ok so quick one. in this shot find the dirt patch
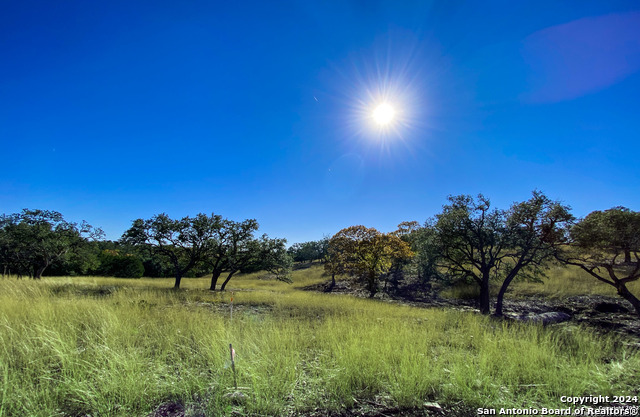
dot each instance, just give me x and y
(75, 290)
(169, 410)
(366, 411)
(362, 409)
(252, 310)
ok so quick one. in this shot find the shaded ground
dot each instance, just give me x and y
(363, 409)
(606, 315)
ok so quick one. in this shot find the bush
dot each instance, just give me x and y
(113, 263)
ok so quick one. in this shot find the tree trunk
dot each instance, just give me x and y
(499, 301)
(224, 284)
(503, 289)
(214, 279)
(37, 273)
(627, 295)
(485, 297)
(177, 283)
(627, 256)
(372, 284)
(332, 285)
(179, 272)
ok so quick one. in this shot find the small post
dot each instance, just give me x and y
(231, 308)
(232, 353)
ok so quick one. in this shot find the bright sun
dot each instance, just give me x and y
(384, 114)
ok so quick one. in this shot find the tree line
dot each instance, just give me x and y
(315, 250)
(472, 241)
(469, 240)
(34, 240)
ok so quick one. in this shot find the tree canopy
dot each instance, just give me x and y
(309, 251)
(606, 244)
(184, 242)
(470, 239)
(535, 229)
(226, 247)
(480, 243)
(271, 255)
(365, 253)
(210, 243)
(30, 241)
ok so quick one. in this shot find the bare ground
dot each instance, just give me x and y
(363, 409)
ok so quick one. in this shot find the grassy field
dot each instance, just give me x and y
(561, 282)
(117, 347)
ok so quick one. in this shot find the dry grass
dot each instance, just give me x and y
(561, 282)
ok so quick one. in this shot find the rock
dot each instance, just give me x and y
(605, 307)
(432, 406)
(236, 397)
(545, 318)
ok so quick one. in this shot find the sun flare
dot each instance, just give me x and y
(384, 114)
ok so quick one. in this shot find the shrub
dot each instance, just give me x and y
(113, 263)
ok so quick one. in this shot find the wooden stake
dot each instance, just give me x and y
(233, 366)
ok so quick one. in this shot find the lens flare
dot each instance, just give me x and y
(384, 114)
(380, 95)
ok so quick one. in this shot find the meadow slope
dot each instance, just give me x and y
(91, 346)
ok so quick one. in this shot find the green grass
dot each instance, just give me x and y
(115, 347)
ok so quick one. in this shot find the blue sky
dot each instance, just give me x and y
(111, 111)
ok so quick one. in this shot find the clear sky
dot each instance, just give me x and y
(115, 110)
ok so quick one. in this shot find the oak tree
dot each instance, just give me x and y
(606, 244)
(470, 240)
(480, 243)
(422, 240)
(32, 240)
(183, 242)
(271, 255)
(535, 230)
(365, 253)
(309, 251)
(240, 248)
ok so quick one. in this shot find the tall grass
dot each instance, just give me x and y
(569, 281)
(560, 282)
(108, 347)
